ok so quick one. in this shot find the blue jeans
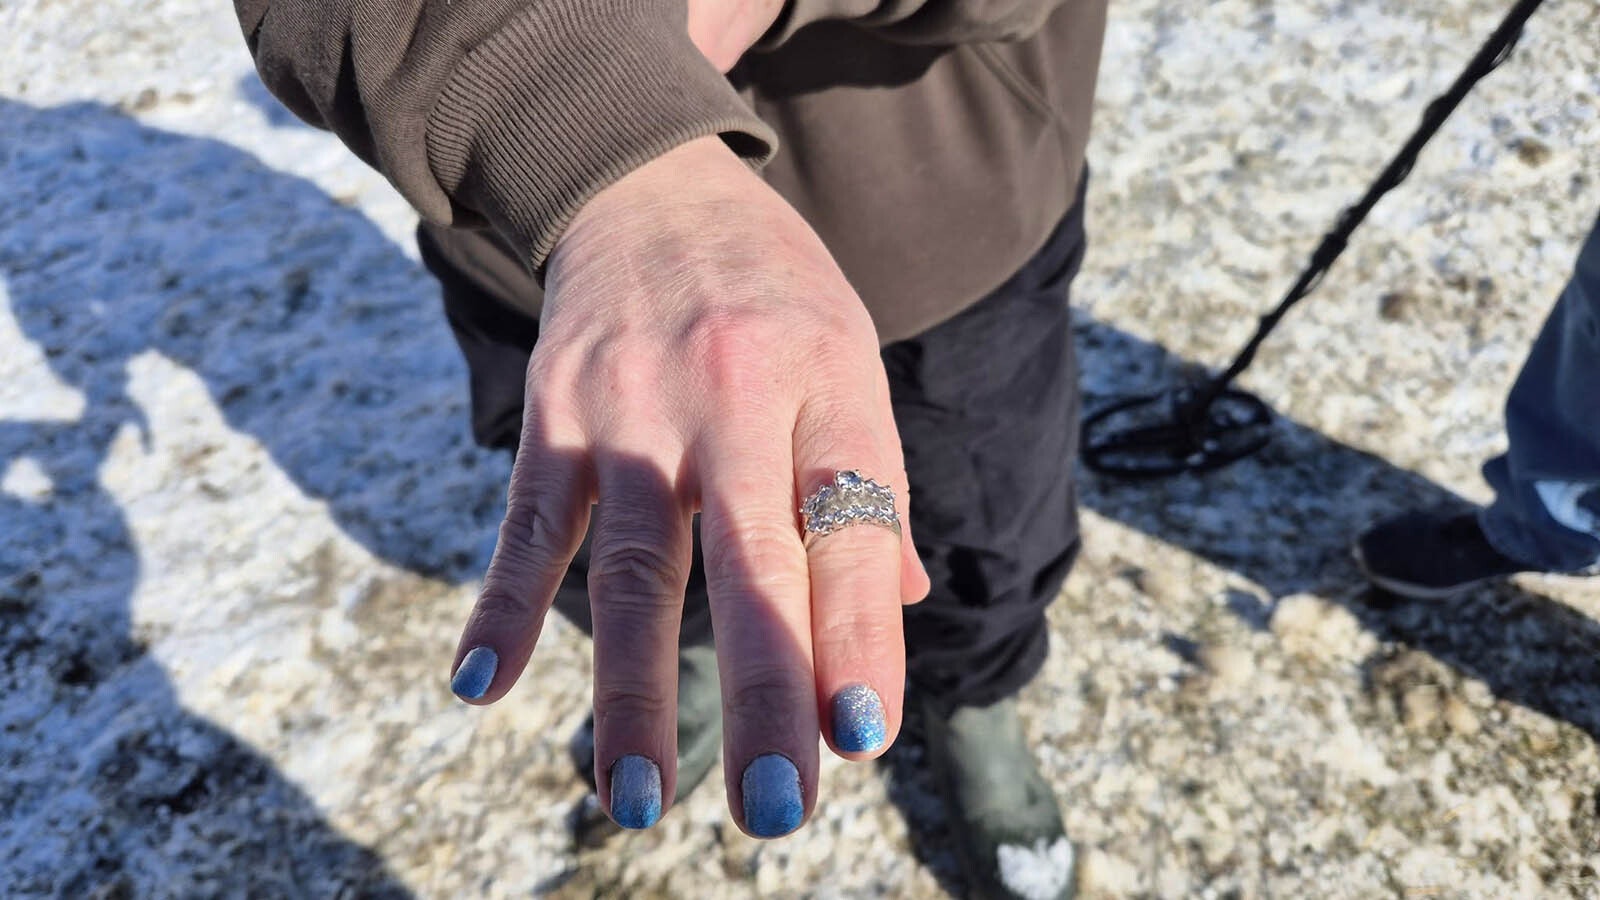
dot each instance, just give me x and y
(1546, 511)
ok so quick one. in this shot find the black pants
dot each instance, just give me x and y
(987, 407)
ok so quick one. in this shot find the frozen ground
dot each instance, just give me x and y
(240, 518)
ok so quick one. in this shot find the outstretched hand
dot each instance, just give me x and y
(700, 351)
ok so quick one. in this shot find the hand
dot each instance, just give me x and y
(725, 29)
(700, 351)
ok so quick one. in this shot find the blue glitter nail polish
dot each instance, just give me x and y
(858, 722)
(635, 792)
(773, 805)
(475, 673)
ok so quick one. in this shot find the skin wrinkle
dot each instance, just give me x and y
(500, 604)
(848, 637)
(774, 563)
(528, 531)
(640, 581)
(631, 701)
(765, 701)
(500, 598)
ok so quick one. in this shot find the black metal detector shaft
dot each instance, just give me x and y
(1212, 423)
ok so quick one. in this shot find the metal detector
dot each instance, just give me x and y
(1207, 425)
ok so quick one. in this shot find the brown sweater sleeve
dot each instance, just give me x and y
(500, 111)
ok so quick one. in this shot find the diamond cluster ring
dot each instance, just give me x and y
(850, 499)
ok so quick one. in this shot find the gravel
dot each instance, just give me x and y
(241, 517)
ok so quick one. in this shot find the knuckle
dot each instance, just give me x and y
(554, 369)
(834, 411)
(545, 369)
(741, 555)
(550, 435)
(843, 412)
(859, 636)
(636, 574)
(531, 541)
(500, 602)
(843, 447)
(734, 349)
(769, 696)
(630, 698)
(621, 374)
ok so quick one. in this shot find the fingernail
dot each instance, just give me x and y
(772, 803)
(476, 671)
(635, 792)
(858, 721)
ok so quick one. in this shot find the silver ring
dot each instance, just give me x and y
(850, 499)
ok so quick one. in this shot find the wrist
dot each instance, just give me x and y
(677, 190)
(725, 30)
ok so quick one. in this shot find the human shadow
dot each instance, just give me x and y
(1285, 519)
(316, 336)
(253, 92)
(310, 329)
(111, 788)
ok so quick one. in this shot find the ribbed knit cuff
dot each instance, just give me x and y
(567, 98)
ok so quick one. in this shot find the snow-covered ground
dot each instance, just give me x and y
(240, 516)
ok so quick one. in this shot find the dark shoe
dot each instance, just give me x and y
(1431, 555)
(699, 741)
(1008, 828)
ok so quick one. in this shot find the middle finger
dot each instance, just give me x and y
(638, 568)
(760, 607)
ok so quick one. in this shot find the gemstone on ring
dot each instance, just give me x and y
(850, 499)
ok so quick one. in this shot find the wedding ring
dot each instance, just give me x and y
(850, 499)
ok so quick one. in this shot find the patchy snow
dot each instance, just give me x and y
(241, 518)
(1039, 872)
(27, 480)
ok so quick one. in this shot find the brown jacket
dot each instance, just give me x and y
(931, 143)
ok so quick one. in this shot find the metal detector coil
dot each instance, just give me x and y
(1156, 435)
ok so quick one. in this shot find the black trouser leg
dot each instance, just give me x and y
(987, 407)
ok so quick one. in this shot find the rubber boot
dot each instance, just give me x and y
(1008, 829)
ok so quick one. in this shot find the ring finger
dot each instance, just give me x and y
(858, 643)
